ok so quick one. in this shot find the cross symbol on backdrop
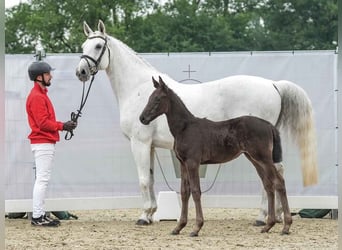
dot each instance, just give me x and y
(189, 71)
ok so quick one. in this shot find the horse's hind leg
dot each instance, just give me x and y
(278, 205)
(277, 157)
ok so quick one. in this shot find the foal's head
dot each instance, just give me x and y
(158, 103)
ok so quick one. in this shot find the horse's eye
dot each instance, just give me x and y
(98, 46)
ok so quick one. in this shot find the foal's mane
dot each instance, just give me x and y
(177, 101)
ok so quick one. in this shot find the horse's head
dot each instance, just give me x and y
(158, 102)
(96, 53)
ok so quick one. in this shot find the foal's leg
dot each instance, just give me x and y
(279, 184)
(185, 195)
(260, 220)
(195, 187)
(271, 209)
(265, 170)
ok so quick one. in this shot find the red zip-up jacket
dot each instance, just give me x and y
(41, 117)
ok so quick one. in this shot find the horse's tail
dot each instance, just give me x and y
(296, 120)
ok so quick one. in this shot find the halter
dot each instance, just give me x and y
(93, 70)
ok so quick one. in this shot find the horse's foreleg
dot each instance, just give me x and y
(142, 154)
(151, 187)
(185, 195)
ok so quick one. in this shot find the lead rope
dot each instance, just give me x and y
(75, 116)
(168, 185)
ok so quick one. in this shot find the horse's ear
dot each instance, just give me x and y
(101, 27)
(162, 84)
(155, 83)
(86, 29)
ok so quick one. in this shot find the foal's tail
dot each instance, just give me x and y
(277, 152)
(296, 120)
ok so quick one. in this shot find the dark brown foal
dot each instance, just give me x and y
(201, 141)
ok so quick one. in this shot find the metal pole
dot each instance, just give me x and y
(2, 125)
(339, 119)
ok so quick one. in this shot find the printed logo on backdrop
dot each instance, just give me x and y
(189, 79)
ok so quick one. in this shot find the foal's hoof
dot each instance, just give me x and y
(259, 223)
(193, 234)
(141, 222)
(174, 232)
(285, 232)
(265, 230)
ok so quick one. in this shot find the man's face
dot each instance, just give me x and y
(47, 78)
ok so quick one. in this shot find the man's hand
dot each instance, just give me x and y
(69, 125)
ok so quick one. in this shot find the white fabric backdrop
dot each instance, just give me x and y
(98, 162)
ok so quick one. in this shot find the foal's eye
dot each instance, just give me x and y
(98, 46)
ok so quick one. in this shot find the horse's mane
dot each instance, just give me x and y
(130, 51)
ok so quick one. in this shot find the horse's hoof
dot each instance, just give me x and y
(279, 220)
(141, 222)
(193, 234)
(259, 223)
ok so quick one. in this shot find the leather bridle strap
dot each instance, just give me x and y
(75, 116)
(93, 69)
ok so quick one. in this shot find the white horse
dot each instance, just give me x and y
(282, 103)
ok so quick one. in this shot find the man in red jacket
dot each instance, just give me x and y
(43, 137)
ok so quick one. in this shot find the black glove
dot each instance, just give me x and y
(69, 125)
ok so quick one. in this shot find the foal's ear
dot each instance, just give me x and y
(86, 29)
(101, 27)
(162, 84)
(155, 83)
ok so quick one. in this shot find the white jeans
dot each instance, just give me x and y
(44, 154)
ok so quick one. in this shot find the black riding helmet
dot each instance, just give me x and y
(38, 68)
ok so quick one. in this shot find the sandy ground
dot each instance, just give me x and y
(223, 229)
